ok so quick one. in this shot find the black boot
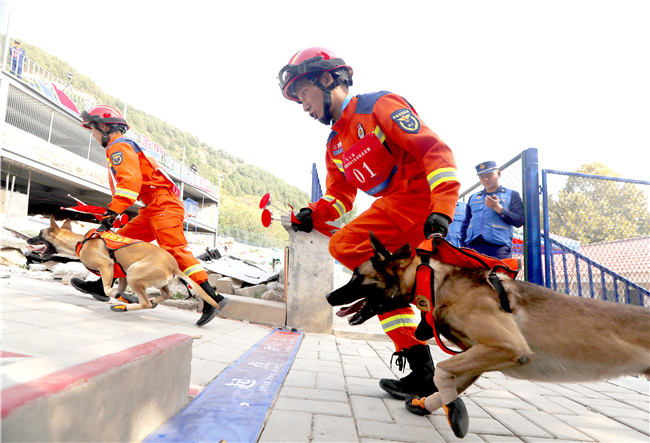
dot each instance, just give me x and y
(419, 383)
(94, 288)
(209, 311)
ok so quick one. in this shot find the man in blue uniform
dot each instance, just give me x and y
(453, 236)
(491, 215)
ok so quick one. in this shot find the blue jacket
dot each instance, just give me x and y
(495, 228)
(454, 228)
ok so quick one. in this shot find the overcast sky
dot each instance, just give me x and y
(491, 78)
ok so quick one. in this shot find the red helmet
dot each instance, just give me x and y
(307, 61)
(102, 114)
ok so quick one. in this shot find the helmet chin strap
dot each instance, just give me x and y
(104, 138)
(326, 119)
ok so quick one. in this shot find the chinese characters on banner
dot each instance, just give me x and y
(149, 144)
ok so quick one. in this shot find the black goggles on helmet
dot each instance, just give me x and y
(314, 64)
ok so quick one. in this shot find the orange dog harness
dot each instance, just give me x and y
(440, 249)
(112, 242)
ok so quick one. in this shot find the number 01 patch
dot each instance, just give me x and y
(406, 120)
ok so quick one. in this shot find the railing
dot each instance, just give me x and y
(642, 296)
(38, 78)
(608, 218)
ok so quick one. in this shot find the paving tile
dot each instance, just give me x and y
(449, 437)
(401, 415)
(500, 439)
(362, 361)
(313, 406)
(328, 428)
(607, 402)
(216, 353)
(329, 356)
(317, 366)
(642, 405)
(275, 429)
(326, 380)
(314, 394)
(310, 355)
(400, 433)
(42, 342)
(524, 388)
(518, 424)
(562, 390)
(204, 371)
(590, 421)
(355, 371)
(10, 327)
(544, 404)
(549, 440)
(368, 391)
(476, 425)
(509, 403)
(44, 319)
(494, 393)
(302, 379)
(572, 406)
(586, 391)
(641, 425)
(557, 428)
(370, 408)
(620, 412)
(475, 410)
(379, 372)
(614, 436)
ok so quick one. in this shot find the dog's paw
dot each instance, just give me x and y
(127, 298)
(457, 417)
(118, 308)
(416, 406)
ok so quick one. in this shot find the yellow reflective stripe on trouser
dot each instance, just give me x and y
(122, 192)
(380, 134)
(399, 321)
(440, 176)
(193, 269)
(337, 205)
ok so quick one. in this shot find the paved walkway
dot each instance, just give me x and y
(331, 390)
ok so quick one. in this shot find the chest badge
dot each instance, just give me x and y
(360, 131)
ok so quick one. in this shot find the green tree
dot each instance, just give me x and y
(594, 210)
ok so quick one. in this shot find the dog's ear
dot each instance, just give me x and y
(54, 228)
(381, 253)
(67, 224)
(403, 252)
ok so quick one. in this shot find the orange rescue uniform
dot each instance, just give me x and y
(135, 176)
(380, 145)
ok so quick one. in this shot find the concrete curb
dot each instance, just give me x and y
(120, 392)
(253, 310)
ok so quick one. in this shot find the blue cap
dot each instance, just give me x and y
(486, 167)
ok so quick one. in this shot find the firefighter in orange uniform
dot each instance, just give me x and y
(134, 176)
(379, 145)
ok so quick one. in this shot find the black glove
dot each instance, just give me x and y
(424, 330)
(107, 220)
(436, 224)
(306, 223)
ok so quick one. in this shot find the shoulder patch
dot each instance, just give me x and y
(116, 158)
(406, 120)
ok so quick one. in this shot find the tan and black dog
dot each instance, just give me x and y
(145, 265)
(548, 336)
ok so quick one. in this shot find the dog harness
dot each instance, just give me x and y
(440, 249)
(112, 242)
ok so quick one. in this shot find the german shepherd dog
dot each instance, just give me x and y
(548, 336)
(145, 265)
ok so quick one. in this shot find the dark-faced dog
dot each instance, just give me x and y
(146, 265)
(548, 336)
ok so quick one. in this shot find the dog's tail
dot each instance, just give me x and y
(199, 290)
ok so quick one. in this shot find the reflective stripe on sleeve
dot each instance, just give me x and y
(380, 134)
(440, 176)
(399, 321)
(340, 208)
(122, 192)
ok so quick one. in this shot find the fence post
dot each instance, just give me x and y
(532, 228)
(548, 247)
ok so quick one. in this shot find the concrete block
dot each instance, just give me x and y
(212, 279)
(70, 270)
(251, 291)
(12, 257)
(225, 286)
(263, 312)
(310, 277)
(119, 391)
(273, 295)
